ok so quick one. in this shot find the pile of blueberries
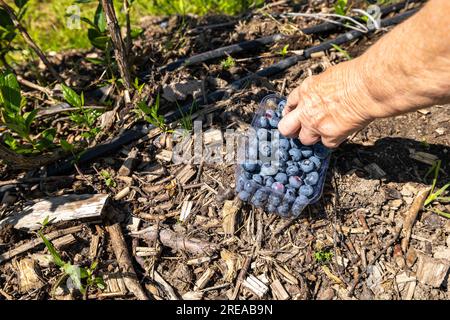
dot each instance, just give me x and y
(278, 173)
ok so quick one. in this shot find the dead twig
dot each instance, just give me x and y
(124, 260)
(411, 216)
(176, 241)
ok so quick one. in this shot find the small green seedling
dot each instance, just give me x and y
(151, 114)
(227, 63)
(109, 181)
(138, 86)
(343, 51)
(77, 274)
(186, 119)
(18, 122)
(437, 195)
(322, 256)
(340, 7)
(83, 117)
(283, 52)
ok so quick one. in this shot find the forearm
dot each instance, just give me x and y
(409, 68)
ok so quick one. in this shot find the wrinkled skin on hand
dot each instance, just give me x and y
(327, 107)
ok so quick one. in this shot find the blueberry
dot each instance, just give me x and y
(250, 166)
(269, 114)
(271, 208)
(268, 181)
(295, 143)
(274, 122)
(295, 181)
(292, 170)
(268, 169)
(306, 165)
(306, 152)
(258, 179)
(283, 209)
(320, 151)
(281, 165)
(290, 195)
(282, 155)
(306, 190)
(281, 178)
(277, 186)
(281, 105)
(263, 134)
(244, 195)
(296, 154)
(260, 196)
(299, 204)
(311, 178)
(265, 148)
(240, 183)
(274, 200)
(263, 122)
(291, 163)
(316, 161)
(247, 175)
(250, 187)
(284, 144)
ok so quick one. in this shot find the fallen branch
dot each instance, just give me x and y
(176, 241)
(36, 242)
(411, 216)
(124, 260)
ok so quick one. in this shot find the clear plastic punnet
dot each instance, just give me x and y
(276, 173)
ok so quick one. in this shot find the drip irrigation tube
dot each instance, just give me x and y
(251, 44)
(140, 130)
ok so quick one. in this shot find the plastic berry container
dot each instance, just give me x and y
(276, 173)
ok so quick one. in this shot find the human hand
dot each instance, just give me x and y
(328, 107)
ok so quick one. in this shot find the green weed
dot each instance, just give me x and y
(83, 117)
(19, 122)
(151, 114)
(322, 256)
(438, 195)
(77, 274)
(227, 63)
(108, 179)
(340, 7)
(343, 51)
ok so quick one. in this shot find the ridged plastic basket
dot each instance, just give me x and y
(266, 197)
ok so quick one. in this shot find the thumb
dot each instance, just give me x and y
(290, 124)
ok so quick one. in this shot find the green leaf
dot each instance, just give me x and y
(29, 118)
(100, 19)
(10, 92)
(71, 96)
(9, 140)
(20, 3)
(74, 273)
(144, 107)
(68, 147)
(49, 134)
(136, 32)
(97, 39)
(89, 22)
(56, 257)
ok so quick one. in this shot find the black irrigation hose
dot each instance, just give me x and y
(140, 130)
(251, 44)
